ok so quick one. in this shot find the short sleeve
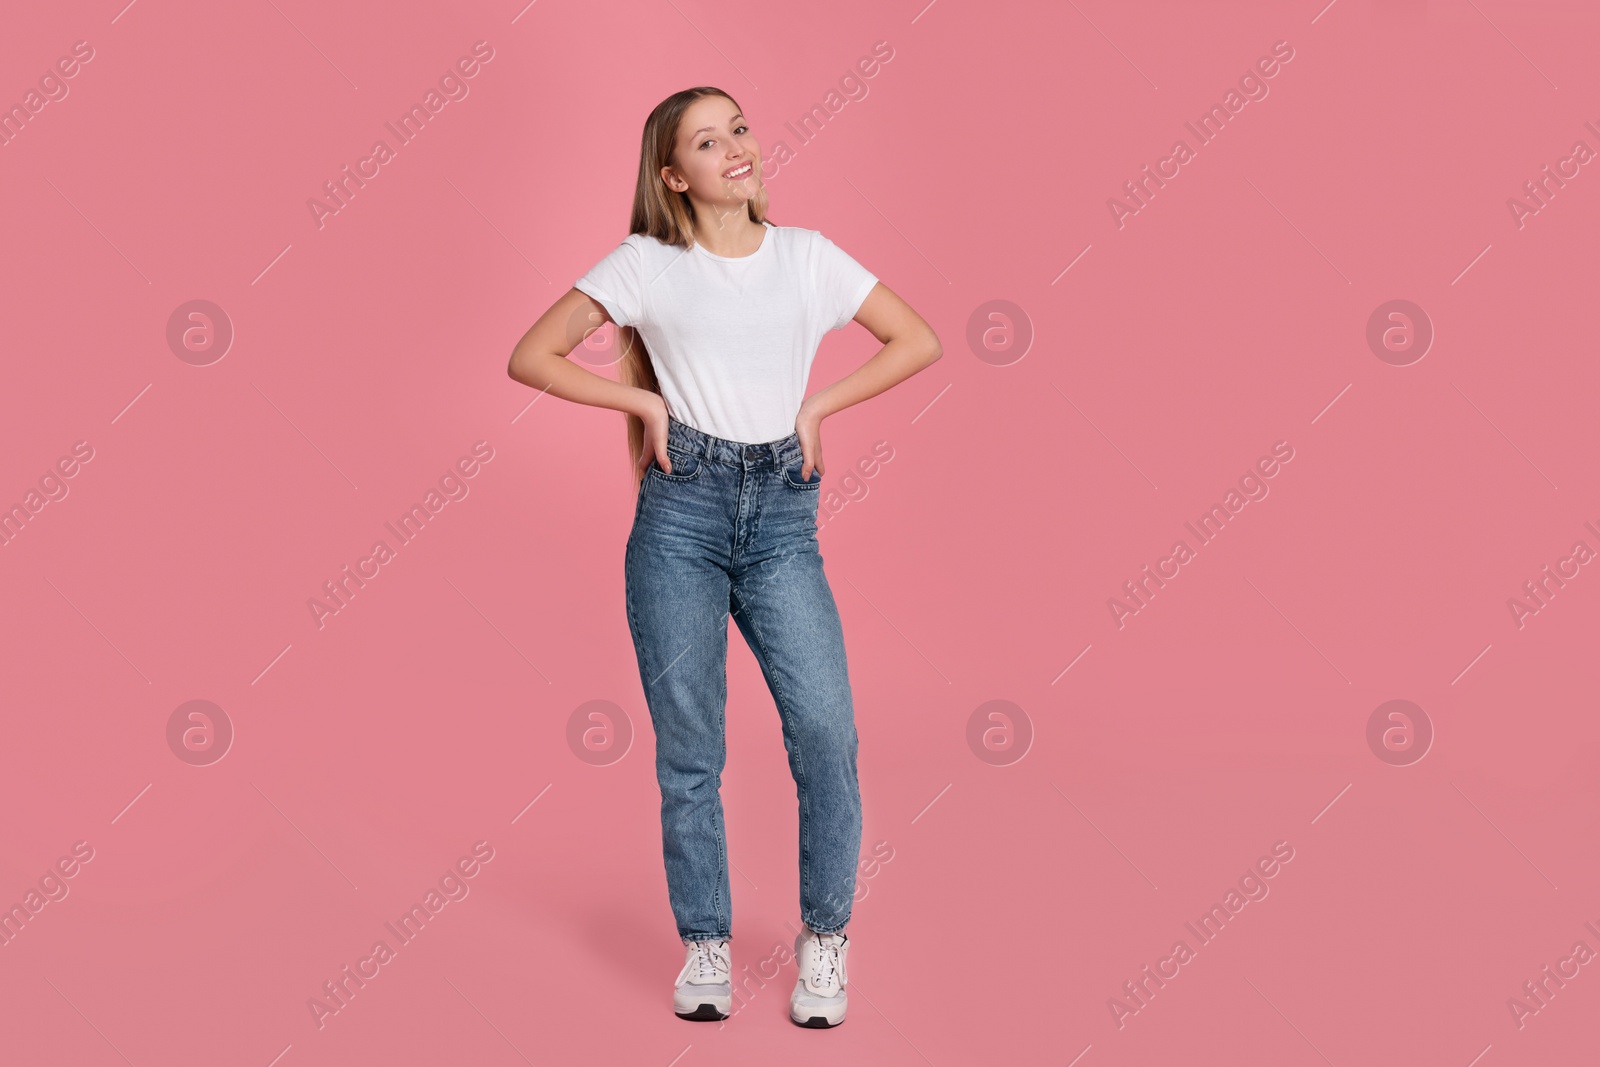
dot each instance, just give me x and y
(616, 283)
(842, 284)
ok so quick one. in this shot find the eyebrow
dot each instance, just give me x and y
(705, 129)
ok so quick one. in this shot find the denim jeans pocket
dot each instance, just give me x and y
(685, 467)
(791, 478)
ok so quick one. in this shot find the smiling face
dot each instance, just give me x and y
(715, 158)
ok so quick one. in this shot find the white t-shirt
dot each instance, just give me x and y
(732, 339)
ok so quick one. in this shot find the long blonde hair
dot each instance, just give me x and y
(668, 216)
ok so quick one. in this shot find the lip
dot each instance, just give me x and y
(733, 176)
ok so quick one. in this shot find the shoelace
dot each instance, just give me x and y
(706, 963)
(825, 961)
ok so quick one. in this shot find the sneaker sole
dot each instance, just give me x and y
(704, 1013)
(701, 1005)
(817, 1017)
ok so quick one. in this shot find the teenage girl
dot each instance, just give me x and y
(719, 314)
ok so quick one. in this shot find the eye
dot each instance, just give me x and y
(741, 128)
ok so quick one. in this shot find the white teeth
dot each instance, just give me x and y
(738, 173)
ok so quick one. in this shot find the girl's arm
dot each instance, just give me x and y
(540, 360)
(909, 345)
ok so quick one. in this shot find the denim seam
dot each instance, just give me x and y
(633, 625)
(755, 519)
(722, 860)
(735, 548)
(723, 922)
(638, 507)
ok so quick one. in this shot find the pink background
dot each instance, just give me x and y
(1017, 887)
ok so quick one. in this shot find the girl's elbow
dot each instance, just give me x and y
(514, 368)
(521, 368)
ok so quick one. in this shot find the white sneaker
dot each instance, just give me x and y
(818, 999)
(704, 990)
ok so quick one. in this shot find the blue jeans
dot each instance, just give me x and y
(733, 529)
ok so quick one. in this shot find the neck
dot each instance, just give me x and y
(731, 234)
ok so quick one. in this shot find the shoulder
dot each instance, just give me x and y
(637, 243)
(820, 254)
(633, 252)
(641, 242)
(648, 249)
(795, 235)
(801, 243)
